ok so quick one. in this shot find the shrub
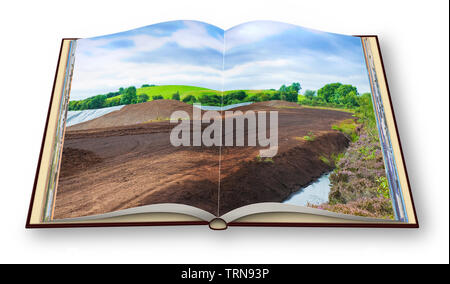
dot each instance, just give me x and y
(253, 99)
(358, 184)
(189, 99)
(142, 98)
(157, 97)
(211, 100)
(325, 160)
(383, 187)
(310, 137)
(309, 94)
(176, 96)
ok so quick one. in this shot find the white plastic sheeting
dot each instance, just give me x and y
(79, 116)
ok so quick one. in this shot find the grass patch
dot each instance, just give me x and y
(383, 187)
(286, 107)
(259, 159)
(367, 152)
(166, 91)
(310, 137)
(348, 127)
(337, 157)
(325, 160)
(329, 108)
(157, 119)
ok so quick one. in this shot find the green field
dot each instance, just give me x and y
(166, 91)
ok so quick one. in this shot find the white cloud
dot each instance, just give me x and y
(100, 70)
(252, 32)
(196, 36)
(123, 74)
(255, 66)
(312, 70)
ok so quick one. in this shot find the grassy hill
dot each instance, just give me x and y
(168, 90)
(204, 95)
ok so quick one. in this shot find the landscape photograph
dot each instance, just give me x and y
(118, 154)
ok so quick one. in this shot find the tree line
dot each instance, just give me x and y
(286, 93)
(129, 95)
(334, 95)
(124, 96)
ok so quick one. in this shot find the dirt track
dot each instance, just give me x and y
(112, 168)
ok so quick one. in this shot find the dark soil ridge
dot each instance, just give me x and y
(77, 160)
(266, 181)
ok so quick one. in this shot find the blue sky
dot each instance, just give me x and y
(171, 53)
(258, 55)
(264, 55)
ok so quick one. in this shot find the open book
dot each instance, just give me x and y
(182, 122)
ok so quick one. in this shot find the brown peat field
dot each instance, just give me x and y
(125, 159)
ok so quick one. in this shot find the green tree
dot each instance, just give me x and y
(264, 97)
(176, 96)
(157, 97)
(255, 98)
(291, 96)
(340, 94)
(211, 100)
(84, 105)
(74, 105)
(343, 90)
(275, 96)
(112, 94)
(129, 96)
(351, 99)
(309, 94)
(114, 101)
(97, 102)
(189, 99)
(296, 87)
(326, 93)
(142, 98)
(234, 97)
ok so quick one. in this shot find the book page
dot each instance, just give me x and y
(308, 136)
(184, 117)
(132, 131)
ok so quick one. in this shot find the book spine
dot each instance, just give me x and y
(59, 137)
(396, 194)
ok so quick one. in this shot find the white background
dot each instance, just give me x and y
(414, 41)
